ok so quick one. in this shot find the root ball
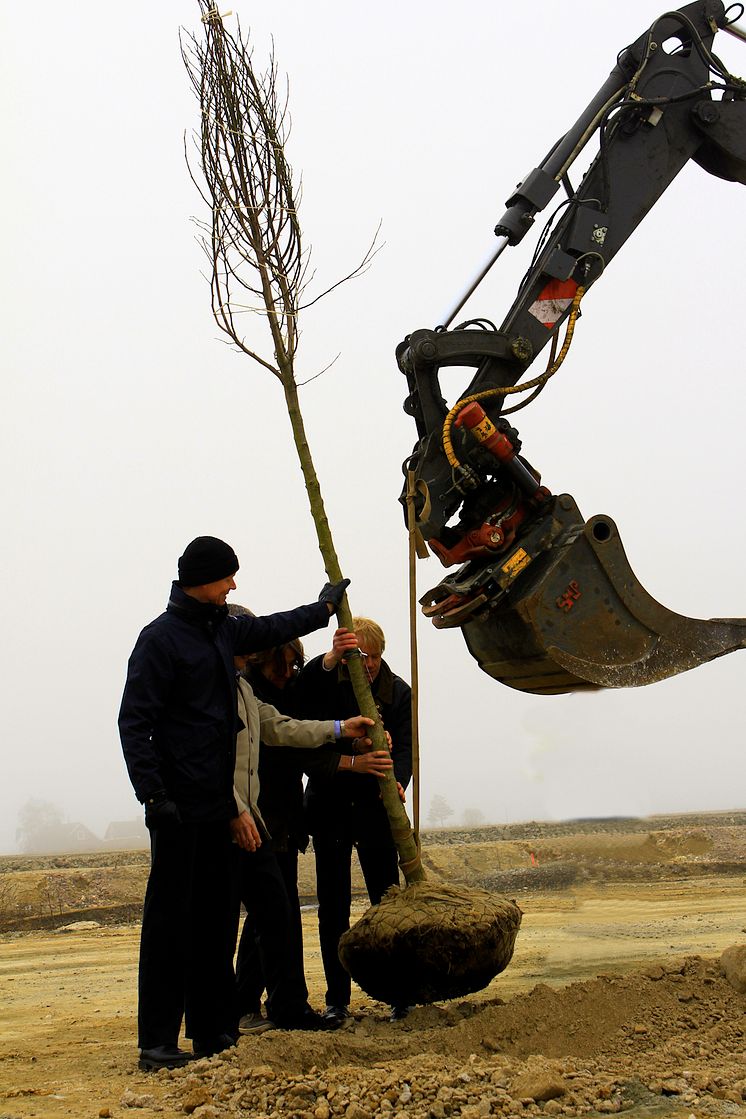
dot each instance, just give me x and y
(430, 941)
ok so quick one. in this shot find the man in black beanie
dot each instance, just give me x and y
(178, 726)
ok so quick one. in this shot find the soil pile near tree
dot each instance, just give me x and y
(672, 1035)
(614, 998)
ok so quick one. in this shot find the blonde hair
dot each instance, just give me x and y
(370, 632)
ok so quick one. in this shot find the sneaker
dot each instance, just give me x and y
(254, 1023)
(306, 1020)
(209, 1046)
(399, 1012)
(163, 1056)
(334, 1016)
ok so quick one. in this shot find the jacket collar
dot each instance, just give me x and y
(203, 614)
(383, 685)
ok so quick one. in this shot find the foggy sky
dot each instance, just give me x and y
(129, 427)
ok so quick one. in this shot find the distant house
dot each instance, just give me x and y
(62, 839)
(126, 835)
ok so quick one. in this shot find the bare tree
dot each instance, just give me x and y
(473, 817)
(56, 893)
(440, 810)
(35, 818)
(258, 267)
(9, 906)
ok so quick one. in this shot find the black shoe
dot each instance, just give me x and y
(209, 1046)
(334, 1016)
(306, 1020)
(163, 1056)
(254, 1023)
(399, 1012)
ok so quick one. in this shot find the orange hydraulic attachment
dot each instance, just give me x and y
(498, 531)
(489, 538)
(474, 418)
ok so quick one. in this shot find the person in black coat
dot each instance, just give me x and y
(178, 725)
(270, 950)
(342, 813)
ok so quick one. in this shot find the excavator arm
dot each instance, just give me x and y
(547, 601)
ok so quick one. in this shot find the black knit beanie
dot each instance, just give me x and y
(206, 560)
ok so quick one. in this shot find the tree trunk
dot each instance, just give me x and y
(401, 829)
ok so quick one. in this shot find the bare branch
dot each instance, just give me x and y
(258, 264)
(319, 374)
(372, 251)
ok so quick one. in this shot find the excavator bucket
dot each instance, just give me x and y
(564, 612)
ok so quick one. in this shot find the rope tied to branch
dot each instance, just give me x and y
(214, 16)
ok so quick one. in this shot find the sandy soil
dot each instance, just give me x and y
(614, 1001)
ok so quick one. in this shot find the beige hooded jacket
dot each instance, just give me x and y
(263, 723)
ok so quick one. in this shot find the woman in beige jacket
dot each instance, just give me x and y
(259, 883)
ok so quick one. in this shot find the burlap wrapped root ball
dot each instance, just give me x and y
(429, 942)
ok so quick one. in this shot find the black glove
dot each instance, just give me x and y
(333, 593)
(160, 810)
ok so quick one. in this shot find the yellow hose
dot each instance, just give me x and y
(508, 390)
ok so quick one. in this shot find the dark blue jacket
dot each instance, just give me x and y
(178, 719)
(346, 803)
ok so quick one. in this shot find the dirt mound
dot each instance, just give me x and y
(595, 1045)
(648, 1035)
(553, 876)
(37, 890)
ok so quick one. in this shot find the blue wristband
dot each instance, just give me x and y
(337, 729)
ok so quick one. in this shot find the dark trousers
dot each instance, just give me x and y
(378, 863)
(186, 946)
(249, 963)
(264, 950)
